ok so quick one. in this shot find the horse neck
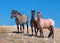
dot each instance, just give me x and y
(17, 16)
(39, 19)
(32, 17)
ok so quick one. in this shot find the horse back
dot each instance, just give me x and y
(46, 22)
(24, 18)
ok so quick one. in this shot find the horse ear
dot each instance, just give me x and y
(33, 11)
(38, 12)
(13, 11)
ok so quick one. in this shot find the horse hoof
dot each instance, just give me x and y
(17, 32)
(52, 36)
(35, 35)
(23, 31)
(32, 34)
(42, 36)
(27, 32)
(48, 36)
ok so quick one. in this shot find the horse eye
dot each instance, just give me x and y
(14, 12)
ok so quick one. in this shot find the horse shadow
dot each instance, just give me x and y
(17, 32)
(30, 35)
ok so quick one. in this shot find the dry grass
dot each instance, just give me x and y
(7, 36)
(3, 30)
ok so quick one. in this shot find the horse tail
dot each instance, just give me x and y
(52, 22)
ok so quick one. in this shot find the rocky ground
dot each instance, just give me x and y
(8, 34)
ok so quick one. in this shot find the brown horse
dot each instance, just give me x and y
(45, 23)
(33, 23)
(21, 19)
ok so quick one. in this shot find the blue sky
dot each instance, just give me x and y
(48, 9)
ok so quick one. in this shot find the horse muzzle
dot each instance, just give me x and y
(11, 17)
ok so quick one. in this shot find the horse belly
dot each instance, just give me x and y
(46, 25)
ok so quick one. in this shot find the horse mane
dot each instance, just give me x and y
(19, 13)
(15, 11)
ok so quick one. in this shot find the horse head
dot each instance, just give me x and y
(39, 15)
(14, 13)
(33, 13)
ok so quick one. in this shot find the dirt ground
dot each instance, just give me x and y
(8, 34)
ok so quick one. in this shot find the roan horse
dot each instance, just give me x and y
(45, 23)
(33, 23)
(21, 19)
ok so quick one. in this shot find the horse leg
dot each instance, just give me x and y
(32, 30)
(23, 28)
(18, 28)
(51, 32)
(41, 32)
(27, 28)
(35, 32)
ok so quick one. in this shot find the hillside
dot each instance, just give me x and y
(8, 34)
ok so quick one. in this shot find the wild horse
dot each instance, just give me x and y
(45, 23)
(21, 19)
(33, 23)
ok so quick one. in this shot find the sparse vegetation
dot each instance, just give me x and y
(7, 36)
(3, 30)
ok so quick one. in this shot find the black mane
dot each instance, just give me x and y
(15, 11)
